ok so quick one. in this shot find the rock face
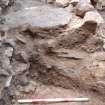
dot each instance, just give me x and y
(53, 45)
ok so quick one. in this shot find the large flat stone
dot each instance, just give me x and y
(39, 17)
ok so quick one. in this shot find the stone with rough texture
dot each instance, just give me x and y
(100, 4)
(50, 1)
(74, 2)
(93, 16)
(85, 1)
(82, 8)
(62, 3)
(39, 17)
(4, 3)
(9, 51)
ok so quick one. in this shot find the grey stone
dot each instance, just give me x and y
(100, 4)
(8, 52)
(62, 3)
(22, 56)
(82, 8)
(50, 1)
(39, 17)
(73, 54)
(3, 72)
(74, 2)
(19, 68)
(93, 17)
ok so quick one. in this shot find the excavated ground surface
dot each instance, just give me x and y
(61, 56)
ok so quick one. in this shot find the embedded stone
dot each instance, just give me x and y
(39, 17)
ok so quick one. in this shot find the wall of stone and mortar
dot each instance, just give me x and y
(64, 48)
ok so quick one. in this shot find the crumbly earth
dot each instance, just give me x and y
(52, 49)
